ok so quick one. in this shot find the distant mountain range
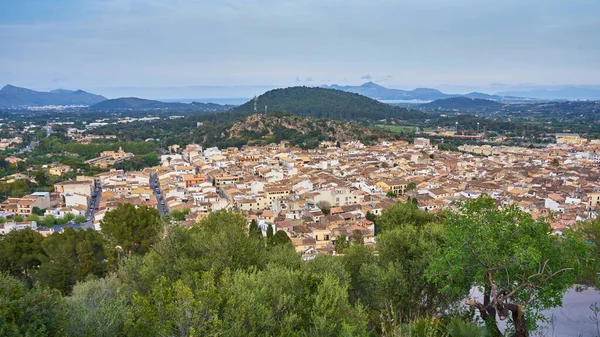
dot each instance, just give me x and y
(568, 93)
(129, 103)
(326, 103)
(379, 92)
(376, 91)
(15, 97)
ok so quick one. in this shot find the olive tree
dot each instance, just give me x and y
(516, 262)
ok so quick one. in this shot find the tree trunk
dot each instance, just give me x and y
(490, 321)
(518, 317)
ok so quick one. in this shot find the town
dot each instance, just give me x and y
(318, 196)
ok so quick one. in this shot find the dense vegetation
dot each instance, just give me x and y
(223, 277)
(327, 103)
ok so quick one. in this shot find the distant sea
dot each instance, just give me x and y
(232, 101)
(403, 101)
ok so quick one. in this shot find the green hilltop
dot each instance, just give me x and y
(326, 103)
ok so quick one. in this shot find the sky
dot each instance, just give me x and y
(237, 47)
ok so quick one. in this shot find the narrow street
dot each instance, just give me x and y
(154, 185)
(92, 208)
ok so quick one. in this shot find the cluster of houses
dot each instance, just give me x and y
(318, 196)
(69, 197)
(109, 158)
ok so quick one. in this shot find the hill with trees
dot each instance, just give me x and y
(304, 132)
(465, 103)
(326, 103)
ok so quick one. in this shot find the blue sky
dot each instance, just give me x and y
(452, 44)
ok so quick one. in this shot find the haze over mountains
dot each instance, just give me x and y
(11, 97)
(16, 97)
(379, 92)
(125, 103)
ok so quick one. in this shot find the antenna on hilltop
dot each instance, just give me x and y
(265, 110)
(255, 103)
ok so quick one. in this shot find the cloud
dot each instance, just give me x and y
(105, 43)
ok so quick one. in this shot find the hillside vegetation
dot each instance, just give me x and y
(299, 131)
(327, 103)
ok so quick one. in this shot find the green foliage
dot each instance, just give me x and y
(393, 284)
(510, 256)
(97, 307)
(279, 301)
(79, 219)
(16, 189)
(270, 235)
(70, 257)
(29, 312)
(281, 239)
(341, 244)
(20, 252)
(403, 214)
(180, 215)
(254, 231)
(175, 309)
(329, 104)
(590, 233)
(133, 229)
(38, 211)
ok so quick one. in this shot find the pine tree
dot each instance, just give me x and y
(270, 235)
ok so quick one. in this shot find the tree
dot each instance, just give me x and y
(254, 231)
(520, 267)
(79, 219)
(180, 215)
(392, 284)
(391, 194)
(341, 244)
(324, 206)
(41, 177)
(18, 218)
(176, 309)
(38, 211)
(403, 214)
(71, 256)
(28, 311)
(20, 252)
(33, 217)
(357, 237)
(590, 233)
(555, 162)
(411, 186)
(133, 229)
(281, 239)
(270, 235)
(279, 301)
(48, 221)
(97, 307)
(68, 217)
